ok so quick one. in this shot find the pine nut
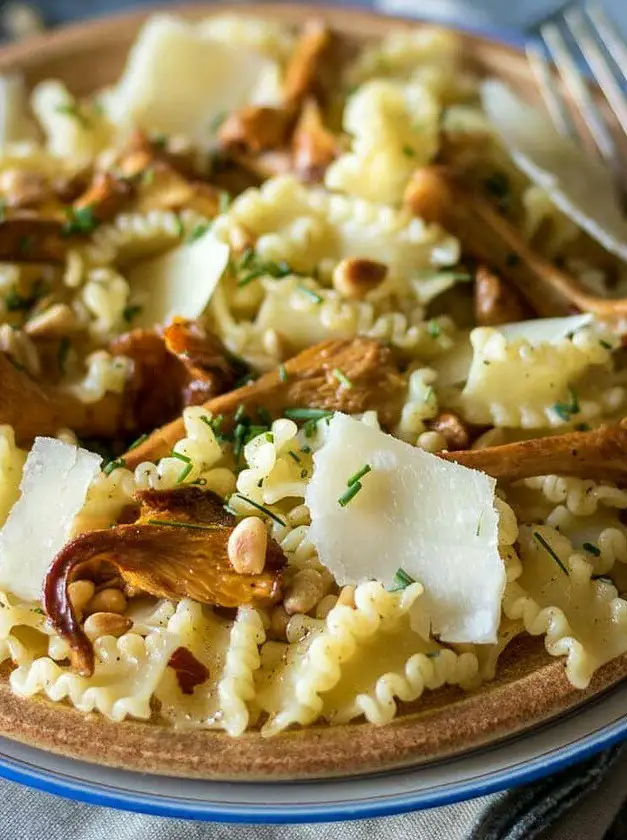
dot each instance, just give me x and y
(80, 592)
(106, 624)
(278, 624)
(247, 546)
(303, 592)
(54, 321)
(347, 596)
(325, 606)
(109, 600)
(355, 277)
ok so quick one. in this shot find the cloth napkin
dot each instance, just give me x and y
(584, 802)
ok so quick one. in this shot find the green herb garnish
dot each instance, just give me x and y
(224, 202)
(180, 227)
(434, 329)
(349, 494)
(550, 551)
(262, 509)
(116, 464)
(138, 442)
(566, 410)
(199, 231)
(283, 375)
(310, 292)
(72, 111)
(3, 209)
(80, 221)
(130, 311)
(342, 378)
(216, 122)
(148, 177)
(409, 151)
(294, 456)
(25, 245)
(591, 548)
(606, 345)
(358, 475)
(307, 413)
(401, 581)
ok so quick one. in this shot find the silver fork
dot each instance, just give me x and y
(582, 35)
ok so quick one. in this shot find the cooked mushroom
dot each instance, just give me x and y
(104, 198)
(314, 147)
(176, 549)
(496, 302)
(600, 454)
(309, 380)
(437, 195)
(34, 410)
(310, 70)
(182, 365)
(29, 238)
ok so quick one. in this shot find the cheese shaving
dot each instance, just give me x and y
(435, 521)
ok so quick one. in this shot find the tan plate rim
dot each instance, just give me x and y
(531, 687)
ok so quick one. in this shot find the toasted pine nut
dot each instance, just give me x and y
(109, 600)
(278, 624)
(54, 321)
(106, 624)
(346, 596)
(303, 592)
(80, 592)
(355, 277)
(325, 606)
(247, 546)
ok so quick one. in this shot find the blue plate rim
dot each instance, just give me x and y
(93, 793)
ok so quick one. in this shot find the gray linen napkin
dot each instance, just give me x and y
(585, 802)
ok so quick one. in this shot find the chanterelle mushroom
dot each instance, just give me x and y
(176, 549)
(436, 194)
(600, 454)
(308, 380)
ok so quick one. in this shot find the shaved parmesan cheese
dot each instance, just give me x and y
(54, 485)
(218, 78)
(578, 184)
(14, 123)
(453, 367)
(433, 519)
(180, 282)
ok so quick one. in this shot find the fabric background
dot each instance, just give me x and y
(585, 802)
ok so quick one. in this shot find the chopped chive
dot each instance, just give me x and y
(3, 209)
(305, 449)
(239, 413)
(224, 202)
(401, 581)
(159, 141)
(307, 413)
(185, 472)
(198, 232)
(409, 151)
(25, 245)
(37, 610)
(130, 311)
(359, 474)
(606, 345)
(180, 227)
(180, 457)
(148, 177)
(478, 531)
(432, 654)
(550, 551)
(64, 349)
(349, 494)
(312, 294)
(207, 421)
(294, 456)
(591, 548)
(171, 523)
(566, 410)
(138, 442)
(261, 508)
(582, 427)
(283, 375)
(303, 473)
(342, 378)
(434, 329)
(429, 393)
(82, 220)
(116, 464)
(269, 437)
(71, 110)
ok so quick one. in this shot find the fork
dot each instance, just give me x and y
(576, 36)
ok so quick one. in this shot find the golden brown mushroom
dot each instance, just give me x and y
(306, 381)
(176, 549)
(600, 454)
(437, 195)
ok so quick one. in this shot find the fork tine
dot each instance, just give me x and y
(578, 90)
(545, 80)
(584, 36)
(612, 42)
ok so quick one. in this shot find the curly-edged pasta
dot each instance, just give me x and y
(236, 688)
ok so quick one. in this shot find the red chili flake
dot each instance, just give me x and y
(189, 671)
